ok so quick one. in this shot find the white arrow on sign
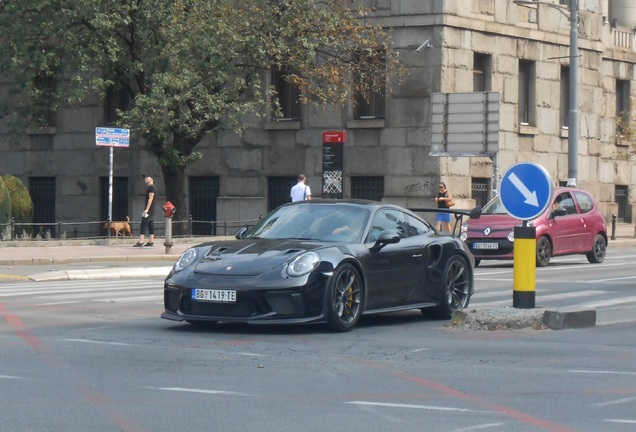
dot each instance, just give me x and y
(531, 197)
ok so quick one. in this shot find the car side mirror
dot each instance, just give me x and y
(475, 213)
(385, 238)
(559, 212)
(240, 233)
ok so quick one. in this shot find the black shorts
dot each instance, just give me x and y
(147, 224)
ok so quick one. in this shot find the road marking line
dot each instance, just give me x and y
(617, 402)
(57, 303)
(475, 298)
(620, 421)
(423, 407)
(601, 372)
(618, 301)
(478, 427)
(10, 377)
(191, 390)
(607, 280)
(99, 342)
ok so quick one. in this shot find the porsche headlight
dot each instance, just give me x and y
(186, 259)
(303, 264)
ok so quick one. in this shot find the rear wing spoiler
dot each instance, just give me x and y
(474, 213)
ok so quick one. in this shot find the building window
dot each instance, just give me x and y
(369, 104)
(45, 110)
(120, 198)
(482, 72)
(527, 93)
(565, 98)
(286, 101)
(116, 99)
(623, 108)
(278, 189)
(42, 190)
(369, 188)
(479, 190)
(204, 192)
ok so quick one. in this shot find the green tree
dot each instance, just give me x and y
(5, 208)
(21, 203)
(191, 67)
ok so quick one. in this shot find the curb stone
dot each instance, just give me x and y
(509, 318)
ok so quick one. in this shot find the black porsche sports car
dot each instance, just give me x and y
(327, 261)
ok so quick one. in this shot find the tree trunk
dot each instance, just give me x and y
(175, 186)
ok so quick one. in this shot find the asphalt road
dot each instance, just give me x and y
(94, 355)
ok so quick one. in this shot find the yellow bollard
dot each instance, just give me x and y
(525, 267)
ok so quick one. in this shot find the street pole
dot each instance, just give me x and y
(573, 113)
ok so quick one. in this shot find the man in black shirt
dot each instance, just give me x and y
(147, 216)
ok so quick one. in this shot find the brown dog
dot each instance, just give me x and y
(119, 227)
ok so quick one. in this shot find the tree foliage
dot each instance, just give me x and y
(191, 67)
(15, 204)
(5, 206)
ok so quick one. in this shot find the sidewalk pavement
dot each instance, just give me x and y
(46, 260)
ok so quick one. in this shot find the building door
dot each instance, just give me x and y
(620, 193)
(204, 192)
(42, 190)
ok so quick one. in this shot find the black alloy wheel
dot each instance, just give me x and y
(458, 286)
(597, 254)
(544, 252)
(344, 301)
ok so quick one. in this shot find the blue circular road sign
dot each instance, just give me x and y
(525, 190)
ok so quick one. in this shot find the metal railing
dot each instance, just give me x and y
(99, 229)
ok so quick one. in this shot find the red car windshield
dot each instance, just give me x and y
(494, 207)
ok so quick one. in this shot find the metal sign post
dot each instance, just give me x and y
(111, 137)
(525, 192)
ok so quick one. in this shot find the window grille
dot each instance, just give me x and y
(278, 189)
(369, 188)
(479, 190)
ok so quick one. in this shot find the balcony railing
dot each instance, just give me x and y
(623, 38)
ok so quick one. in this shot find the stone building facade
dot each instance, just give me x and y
(519, 50)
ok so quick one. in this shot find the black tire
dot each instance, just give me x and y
(345, 295)
(457, 288)
(544, 251)
(597, 254)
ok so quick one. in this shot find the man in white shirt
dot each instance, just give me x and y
(301, 191)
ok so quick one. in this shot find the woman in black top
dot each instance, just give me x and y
(442, 199)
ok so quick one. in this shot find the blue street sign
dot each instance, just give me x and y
(525, 190)
(113, 137)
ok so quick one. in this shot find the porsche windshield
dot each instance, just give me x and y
(323, 222)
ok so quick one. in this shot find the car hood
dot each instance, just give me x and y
(491, 226)
(250, 257)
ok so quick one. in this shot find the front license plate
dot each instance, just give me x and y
(216, 296)
(486, 246)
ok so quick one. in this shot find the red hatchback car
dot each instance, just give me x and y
(571, 225)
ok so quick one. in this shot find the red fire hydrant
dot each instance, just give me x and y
(169, 210)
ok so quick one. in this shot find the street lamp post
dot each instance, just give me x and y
(573, 113)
